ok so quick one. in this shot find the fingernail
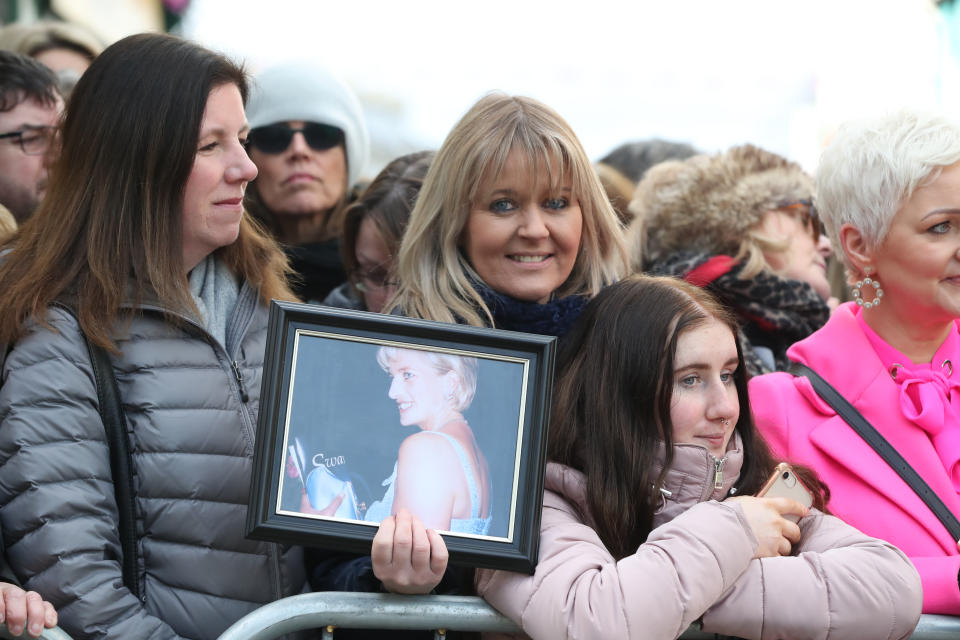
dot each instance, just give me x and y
(35, 629)
(16, 630)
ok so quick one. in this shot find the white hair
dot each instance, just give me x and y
(873, 166)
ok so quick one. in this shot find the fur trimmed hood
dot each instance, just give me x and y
(707, 203)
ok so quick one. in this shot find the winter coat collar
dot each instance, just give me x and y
(690, 480)
(694, 475)
(244, 308)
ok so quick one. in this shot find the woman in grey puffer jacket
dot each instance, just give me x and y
(650, 520)
(143, 232)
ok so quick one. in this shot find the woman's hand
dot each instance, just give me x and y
(19, 608)
(408, 557)
(329, 510)
(776, 534)
(305, 506)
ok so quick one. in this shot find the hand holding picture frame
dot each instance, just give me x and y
(364, 414)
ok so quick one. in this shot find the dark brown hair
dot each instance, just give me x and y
(612, 401)
(110, 225)
(387, 201)
(23, 78)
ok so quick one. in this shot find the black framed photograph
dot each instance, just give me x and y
(363, 414)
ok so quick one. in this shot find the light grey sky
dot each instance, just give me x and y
(777, 73)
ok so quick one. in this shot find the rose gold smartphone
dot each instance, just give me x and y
(784, 483)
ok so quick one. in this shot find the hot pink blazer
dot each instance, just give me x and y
(865, 491)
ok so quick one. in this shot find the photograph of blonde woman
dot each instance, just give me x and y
(441, 475)
(403, 427)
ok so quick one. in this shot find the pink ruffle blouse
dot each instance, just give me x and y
(929, 393)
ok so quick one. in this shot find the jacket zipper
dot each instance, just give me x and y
(239, 376)
(718, 472)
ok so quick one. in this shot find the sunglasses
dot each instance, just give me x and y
(276, 138)
(809, 216)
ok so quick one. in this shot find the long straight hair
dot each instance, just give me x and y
(435, 277)
(612, 402)
(110, 226)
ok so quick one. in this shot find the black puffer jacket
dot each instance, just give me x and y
(191, 437)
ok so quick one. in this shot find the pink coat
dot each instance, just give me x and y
(866, 492)
(698, 563)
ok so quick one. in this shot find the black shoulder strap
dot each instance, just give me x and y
(879, 444)
(6, 572)
(121, 464)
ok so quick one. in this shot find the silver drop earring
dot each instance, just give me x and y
(858, 292)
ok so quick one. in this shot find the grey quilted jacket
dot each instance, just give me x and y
(191, 423)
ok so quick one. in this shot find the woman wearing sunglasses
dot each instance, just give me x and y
(741, 224)
(310, 144)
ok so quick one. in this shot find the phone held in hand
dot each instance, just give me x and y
(784, 483)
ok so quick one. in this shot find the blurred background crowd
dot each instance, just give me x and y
(411, 159)
(782, 75)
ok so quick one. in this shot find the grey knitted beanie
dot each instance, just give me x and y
(300, 90)
(707, 203)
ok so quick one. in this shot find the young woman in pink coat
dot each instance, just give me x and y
(649, 521)
(888, 192)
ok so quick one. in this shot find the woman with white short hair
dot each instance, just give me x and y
(888, 191)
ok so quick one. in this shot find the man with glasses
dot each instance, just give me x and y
(30, 105)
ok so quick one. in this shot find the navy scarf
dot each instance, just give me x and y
(552, 318)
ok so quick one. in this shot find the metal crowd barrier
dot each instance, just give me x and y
(48, 634)
(332, 609)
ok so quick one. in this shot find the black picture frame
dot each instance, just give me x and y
(325, 402)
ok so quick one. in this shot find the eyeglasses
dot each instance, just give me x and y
(276, 138)
(375, 279)
(34, 141)
(809, 216)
